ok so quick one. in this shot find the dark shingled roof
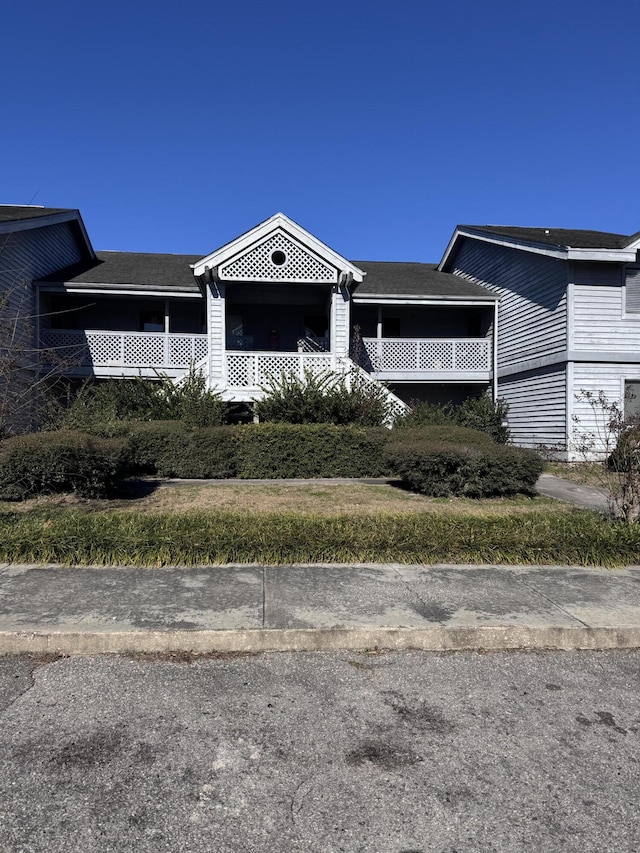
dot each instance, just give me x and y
(146, 270)
(561, 238)
(16, 212)
(133, 269)
(390, 278)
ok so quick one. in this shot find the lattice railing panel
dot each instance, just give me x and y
(183, 349)
(434, 354)
(272, 367)
(64, 350)
(104, 349)
(124, 349)
(240, 371)
(252, 370)
(278, 259)
(147, 349)
(472, 355)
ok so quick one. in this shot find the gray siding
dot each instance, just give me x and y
(24, 256)
(537, 402)
(532, 317)
(590, 421)
(600, 323)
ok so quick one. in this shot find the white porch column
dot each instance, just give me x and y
(340, 320)
(216, 334)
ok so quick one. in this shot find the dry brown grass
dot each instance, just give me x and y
(306, 499)
(588, 473)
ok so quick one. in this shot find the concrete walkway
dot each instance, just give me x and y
(255, 608)
(589, 497)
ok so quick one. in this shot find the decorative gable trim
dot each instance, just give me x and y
(278, 258)
(251, 245)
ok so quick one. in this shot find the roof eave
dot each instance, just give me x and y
(70, 215)
(626, 255)
(425, 298)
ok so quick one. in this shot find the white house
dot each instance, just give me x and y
(274, 299)
(531, 315)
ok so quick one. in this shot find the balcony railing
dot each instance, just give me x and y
(70, 349)
(424, 355)
(254, 369)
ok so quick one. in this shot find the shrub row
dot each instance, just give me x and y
(436, 460)
(258, 451)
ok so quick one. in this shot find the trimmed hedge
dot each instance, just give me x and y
(49, 462)
(260, 451)
(438, 460)
(454, 461)
(169, 449)
(310, 450)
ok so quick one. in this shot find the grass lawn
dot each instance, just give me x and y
(281, 524)
(301, 499)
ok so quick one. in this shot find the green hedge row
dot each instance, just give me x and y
(434, 460)
(260, 451)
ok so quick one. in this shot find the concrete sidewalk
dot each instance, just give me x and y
(255, 608)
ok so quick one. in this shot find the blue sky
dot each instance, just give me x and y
(378, 126)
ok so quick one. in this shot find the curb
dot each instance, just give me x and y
(437, 638)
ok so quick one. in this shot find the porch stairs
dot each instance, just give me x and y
(354, 371)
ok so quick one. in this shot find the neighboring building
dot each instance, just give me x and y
(278, 299)
(568, 324)
(34, 242)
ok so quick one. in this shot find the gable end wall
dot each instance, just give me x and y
(24, 256)
(532, 314)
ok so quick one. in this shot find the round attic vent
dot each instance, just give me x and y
(278, 258)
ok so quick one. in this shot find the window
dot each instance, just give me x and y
(631, 398)
(632, 291)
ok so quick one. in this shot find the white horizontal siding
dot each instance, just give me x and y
(599, 321)
(537, 404)
(589, 421)
(216, 326)
(532, 316)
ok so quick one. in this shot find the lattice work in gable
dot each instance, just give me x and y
(278, 259)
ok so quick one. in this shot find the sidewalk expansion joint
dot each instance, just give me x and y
(549, 600)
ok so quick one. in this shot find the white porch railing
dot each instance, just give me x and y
(426, 354)
(71, 349)
(253, 369)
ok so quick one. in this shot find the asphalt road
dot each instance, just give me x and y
(402, 752)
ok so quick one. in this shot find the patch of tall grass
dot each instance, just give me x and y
(579, 537)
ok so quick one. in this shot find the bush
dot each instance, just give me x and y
(101, 406)
(169, 449)
(323, 398)
(48, 462)
(310, 450)
(478, 413)
(450, 461)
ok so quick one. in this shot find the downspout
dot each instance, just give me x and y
(38, 346)
(495, 351)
